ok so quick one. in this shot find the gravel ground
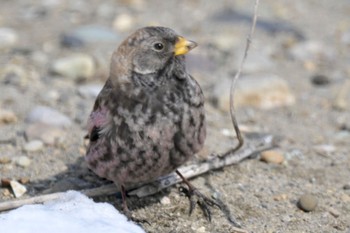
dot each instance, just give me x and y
(296, 84)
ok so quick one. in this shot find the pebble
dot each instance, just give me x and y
(89, 34)
(272, 156)
(48, 116)
(71, 41)
(123, 22)
(8, 38)
(5, 160)
(40, 58)
(307, 202)
(77, 67)
(15, 75)
(23, 161)
(6, 193)
(50, 135)
(320, 80)
(281, 197)
(228, 15)
(165, 201)
(7, 117)
(340, 101)
(17, 188)
(50, 96)
(263, 92)
(312, 51)
(342, 137)
(90, 90)
(201, 230)
(324, 149)
(24, 180)
(334, 212)
(32, 146)
(5, 182)
(346, 187)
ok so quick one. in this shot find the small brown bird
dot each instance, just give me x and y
(149, 117)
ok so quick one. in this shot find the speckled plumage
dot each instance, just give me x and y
(149, 117)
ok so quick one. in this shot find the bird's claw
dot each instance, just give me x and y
(196, 197)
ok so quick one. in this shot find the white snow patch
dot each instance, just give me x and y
(73, 212)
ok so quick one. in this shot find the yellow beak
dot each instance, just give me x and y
(183, 46)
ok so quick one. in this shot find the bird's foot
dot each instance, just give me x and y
(203, 201)
(195, 197)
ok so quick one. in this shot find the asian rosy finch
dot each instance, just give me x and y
(149, 117)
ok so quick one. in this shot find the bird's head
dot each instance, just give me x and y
(148, 50)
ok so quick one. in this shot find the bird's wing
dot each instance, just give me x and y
(100, 115)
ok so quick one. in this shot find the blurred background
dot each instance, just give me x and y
(54, 59)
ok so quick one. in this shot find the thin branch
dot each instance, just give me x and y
(234, 80)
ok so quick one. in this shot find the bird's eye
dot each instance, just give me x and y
(158, 46)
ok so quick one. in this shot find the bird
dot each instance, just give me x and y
(149, 117)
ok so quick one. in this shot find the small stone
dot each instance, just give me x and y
(227, 132)
(77, 67)
(320, 80)
(5, 182)
(307, 202)
(8, 38)
(15, 75)
(48, 116)
(7, 117)
(342, 137)
(345, 198)
(6, 193)
(24, 180)
(340, 101)
(71, 41)
(32, 146)
(17, 188)
(90, 90)
(312, 51)
(40, 58)
(23, 161)
(272, 156)
(89, 34)
(201, 230)
(264, 92)
(5, 160)
(334, 212)
(281, 197)
(50, 135)
(325, 149)
(50, 96)
(346, 187)
(165, 201)
(123, 22)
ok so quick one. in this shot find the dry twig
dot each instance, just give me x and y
(234, 81)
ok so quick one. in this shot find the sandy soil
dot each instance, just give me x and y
(261, 196)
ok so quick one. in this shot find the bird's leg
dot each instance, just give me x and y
(203, 201)
(126, 210)
(125, 205)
